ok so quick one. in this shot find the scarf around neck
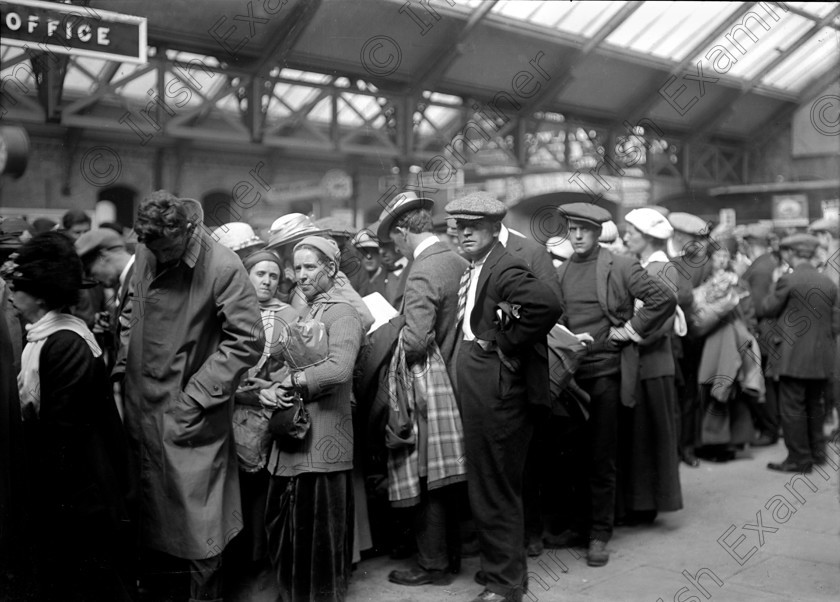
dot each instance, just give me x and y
(29, 379)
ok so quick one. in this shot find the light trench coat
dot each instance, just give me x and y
(194, 330)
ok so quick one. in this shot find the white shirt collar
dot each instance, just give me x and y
(124, 273)
(504, 235)
(658, 255)
(425, 245)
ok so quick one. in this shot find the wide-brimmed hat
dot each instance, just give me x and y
(335, 226)
(399, 205)
(96, 240)
(830, 225)
(801, 243)
(290, 229)
(237, 236)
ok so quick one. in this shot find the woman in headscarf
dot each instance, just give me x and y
(648, 476)
(309, 516)
(73, 435)
(251, 415)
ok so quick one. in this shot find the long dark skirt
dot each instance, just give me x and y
(309, 520)
(649, 477)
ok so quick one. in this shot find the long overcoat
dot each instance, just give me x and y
(195, 328)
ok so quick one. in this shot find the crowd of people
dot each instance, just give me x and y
(234, 406)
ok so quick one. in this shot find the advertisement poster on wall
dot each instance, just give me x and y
(790, 210)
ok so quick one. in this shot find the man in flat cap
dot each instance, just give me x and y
(807, 307)
(195, 330)
(505, 314)
(759, 277)
(690, 266)
(598, 294)
(430, 308)
(107, 261)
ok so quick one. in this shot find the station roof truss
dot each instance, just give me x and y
(398, 82)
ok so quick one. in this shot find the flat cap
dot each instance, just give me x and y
(688, 223)
(802, 243)
(650, 222)
(830, 225)
(364, 239)
(585, 212)
(757, 231)
(98, 239)
(399, 205)
(476, 206)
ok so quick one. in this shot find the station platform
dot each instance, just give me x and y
(745, 534)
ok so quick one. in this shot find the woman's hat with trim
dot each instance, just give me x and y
(46, 267)
(290, 229)
(237, 236)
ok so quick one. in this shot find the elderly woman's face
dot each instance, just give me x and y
(313, 276)
(28, 306)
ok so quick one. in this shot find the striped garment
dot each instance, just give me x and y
(431, 390)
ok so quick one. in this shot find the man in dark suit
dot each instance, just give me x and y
(505, 314)
(535, 256)
(759, 277)
(807, 305)
(430, 308)
(598, 295)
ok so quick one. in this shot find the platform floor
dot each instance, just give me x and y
(746, 533)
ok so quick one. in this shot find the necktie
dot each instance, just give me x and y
(463, 289)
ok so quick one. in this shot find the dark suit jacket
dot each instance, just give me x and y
(807, 309)
(431, 303)
(536, 257)
(759, 277)
(506, 278)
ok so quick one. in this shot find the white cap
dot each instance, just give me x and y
(650, 222)
(609, 231)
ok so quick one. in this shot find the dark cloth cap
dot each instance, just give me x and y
(476, 206)
(801, 243)
(400, 204)
(96, 239)
(688, 223)
(585, 212)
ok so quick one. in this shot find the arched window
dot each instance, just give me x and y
(123, 199)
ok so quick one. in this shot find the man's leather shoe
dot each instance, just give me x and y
(597, 554)
(417, 576)
(534, 548)
(488, 596)
(789, 467)
(566, 539)
(765, 441)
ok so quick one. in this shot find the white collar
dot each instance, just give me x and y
(657, 255)
(428, 242)
(124, 273)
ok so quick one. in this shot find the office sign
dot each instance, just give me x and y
(73, 30)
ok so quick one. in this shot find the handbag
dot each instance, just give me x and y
(289, 426)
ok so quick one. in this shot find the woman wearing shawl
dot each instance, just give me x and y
(309, 516)
(73, 434)
(648, 475)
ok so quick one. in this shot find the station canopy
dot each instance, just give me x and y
(607, 62)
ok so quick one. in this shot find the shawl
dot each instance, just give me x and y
(426, 389)
(29, 379)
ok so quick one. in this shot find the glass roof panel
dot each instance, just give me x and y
(811, 60)
(662, 28)
(305, 76)
(818, 9)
